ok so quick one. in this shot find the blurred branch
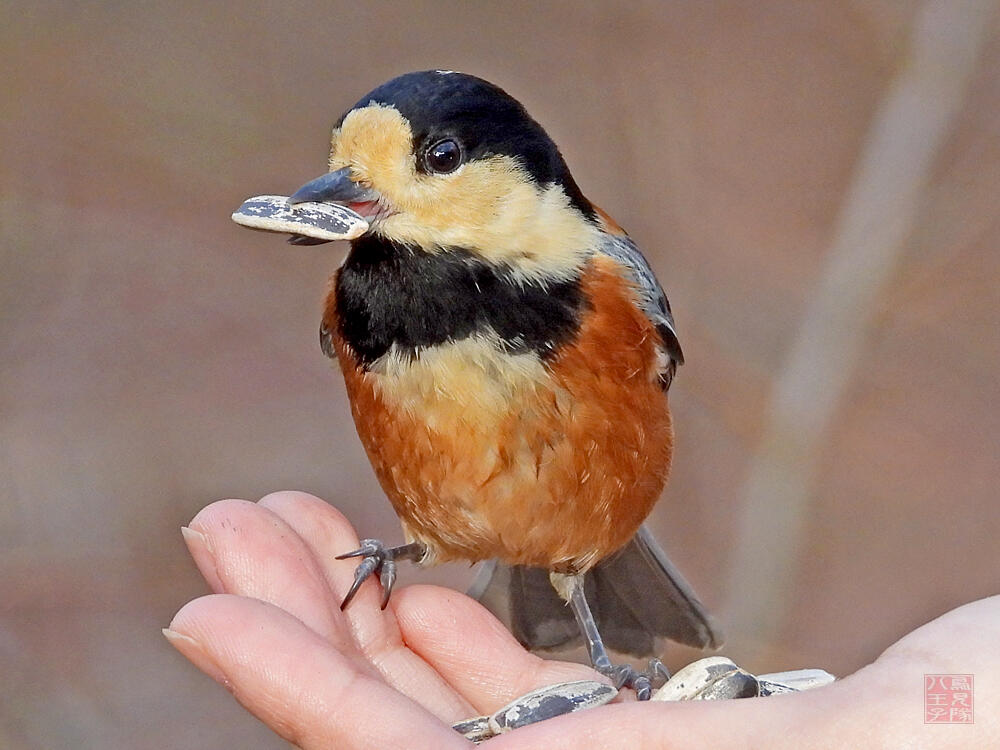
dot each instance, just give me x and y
(879, 210)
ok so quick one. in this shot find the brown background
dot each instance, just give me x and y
(154, 356)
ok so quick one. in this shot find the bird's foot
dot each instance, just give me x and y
(379, 560)
(643, 683)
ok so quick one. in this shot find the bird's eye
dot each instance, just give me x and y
(443, 157)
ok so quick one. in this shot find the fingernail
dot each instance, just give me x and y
(195, 653)
(179, 639)
(204, 558)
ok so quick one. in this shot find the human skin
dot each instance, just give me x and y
(273, 634)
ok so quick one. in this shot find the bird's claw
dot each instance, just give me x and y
(643, 683)
(379, 560)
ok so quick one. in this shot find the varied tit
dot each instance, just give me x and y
(507, 352)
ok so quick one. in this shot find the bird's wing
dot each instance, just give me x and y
(652, 300)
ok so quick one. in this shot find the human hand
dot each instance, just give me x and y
(274, 635)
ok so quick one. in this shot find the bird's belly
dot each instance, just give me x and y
(485, 453)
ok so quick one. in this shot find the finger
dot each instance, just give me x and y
(440, 624)
(327, 532)
(252, 552)
(295, 682)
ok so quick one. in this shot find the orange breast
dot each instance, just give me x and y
(488, 454)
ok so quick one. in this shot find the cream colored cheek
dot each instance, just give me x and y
(474, 196)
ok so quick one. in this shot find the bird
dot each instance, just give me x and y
(507, 352)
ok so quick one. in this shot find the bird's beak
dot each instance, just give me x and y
(333, 187)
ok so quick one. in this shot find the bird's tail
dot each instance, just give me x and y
(636, 596)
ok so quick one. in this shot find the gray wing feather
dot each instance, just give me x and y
(652, 300)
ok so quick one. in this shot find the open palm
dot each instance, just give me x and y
(274, 635)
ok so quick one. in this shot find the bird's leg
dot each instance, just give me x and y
(570, 588)
(381, 560)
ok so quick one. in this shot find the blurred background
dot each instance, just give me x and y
(815, 183)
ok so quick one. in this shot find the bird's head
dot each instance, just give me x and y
(440, 160)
